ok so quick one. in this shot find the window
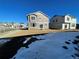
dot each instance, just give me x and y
(33, 18)
(73, 25)
(33, 24)
(68, 18)
(65, 26)
(45, 24)
(41, 26)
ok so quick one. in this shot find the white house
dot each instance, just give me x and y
(38, 20)
(63, 22)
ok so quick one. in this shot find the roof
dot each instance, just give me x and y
(58, 15)
(64, 16)
(38, 12)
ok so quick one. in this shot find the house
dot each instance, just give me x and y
(38, 20)
(63, 22)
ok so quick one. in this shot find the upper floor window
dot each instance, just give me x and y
(55, 20)
(67, 18)
(33, 18)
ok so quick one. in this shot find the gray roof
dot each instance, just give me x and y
(64, 16)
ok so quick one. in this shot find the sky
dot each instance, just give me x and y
(16, 10)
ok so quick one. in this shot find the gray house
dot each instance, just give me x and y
(38, 20)
(63, 22)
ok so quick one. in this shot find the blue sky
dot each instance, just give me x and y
(16, 10)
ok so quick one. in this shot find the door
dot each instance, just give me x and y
(65, 26)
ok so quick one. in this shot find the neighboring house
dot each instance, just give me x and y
(63, 22)
(77, 26)
(38, 20)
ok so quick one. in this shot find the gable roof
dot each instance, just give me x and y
(38, 12)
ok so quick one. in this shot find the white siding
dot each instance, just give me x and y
(66, 19)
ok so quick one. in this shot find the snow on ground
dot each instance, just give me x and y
(50, 47)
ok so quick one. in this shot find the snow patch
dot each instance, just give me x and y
(50, 48)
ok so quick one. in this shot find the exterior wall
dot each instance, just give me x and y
(74, 22)
(56, 22)
(71, 26)
(45, 25)
(56, 26)
(41, 18)
(71, 21)
(40, 21)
